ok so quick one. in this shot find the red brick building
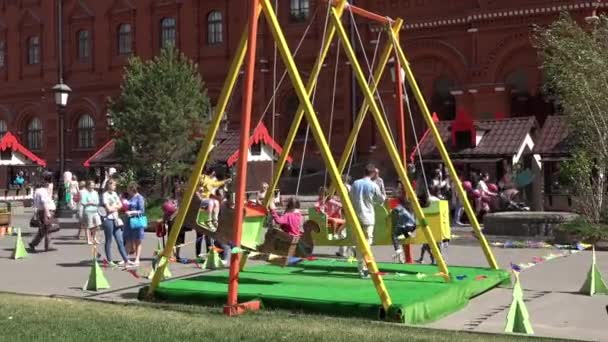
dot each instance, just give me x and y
(466, 53)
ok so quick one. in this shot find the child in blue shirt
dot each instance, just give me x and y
(404, 224)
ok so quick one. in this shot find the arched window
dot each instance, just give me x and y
(2, 53)
(125, 40)
(86, 132)
(443, 102)
(214, 28)
(299, 10)
(34, 134)
(3, 128)
(167, 32)
(84, 45)
(518, 84)
(33, 50)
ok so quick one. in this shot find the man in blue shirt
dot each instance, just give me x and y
(364, 194)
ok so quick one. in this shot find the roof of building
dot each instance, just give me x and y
(11, 141)
(227, 145)
(225, 150)
(501, 138)
(553, 140)
(104, 156)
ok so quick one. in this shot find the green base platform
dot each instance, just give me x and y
(333, 287)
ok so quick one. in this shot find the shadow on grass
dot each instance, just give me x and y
(224, 280)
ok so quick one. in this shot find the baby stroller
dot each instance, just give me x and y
(506, 201)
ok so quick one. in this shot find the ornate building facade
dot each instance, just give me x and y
(470, 54)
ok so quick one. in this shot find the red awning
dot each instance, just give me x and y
(260, 135)
(10, 141)
(107, 148)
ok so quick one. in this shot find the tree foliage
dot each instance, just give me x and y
(575, 63)
(160, 115)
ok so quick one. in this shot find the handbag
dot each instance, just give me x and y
(35, 221)
(138, 222)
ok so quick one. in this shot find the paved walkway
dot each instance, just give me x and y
(551, 287)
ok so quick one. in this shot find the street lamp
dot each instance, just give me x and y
(62, 93)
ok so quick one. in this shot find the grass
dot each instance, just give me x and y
(24, 318)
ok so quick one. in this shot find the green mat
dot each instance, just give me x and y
(333, 287)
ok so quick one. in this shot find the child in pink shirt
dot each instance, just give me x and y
(291, 221)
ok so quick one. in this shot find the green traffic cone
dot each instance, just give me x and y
(19, 252)
(97, 281)
(594, 284)
(518, 319)
(166, 273)
(213, 261)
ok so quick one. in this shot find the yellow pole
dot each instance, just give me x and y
(426, 114)
(202, 156)
(297, 119)
(354, 133)
(325, 151)
(389, 143)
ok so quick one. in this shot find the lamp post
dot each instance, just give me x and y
(62, 92)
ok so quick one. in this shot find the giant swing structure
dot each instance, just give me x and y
(244, 227)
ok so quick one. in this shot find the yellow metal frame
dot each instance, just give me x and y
(426, 114)
(203, 155)
(392, 150)
(308, 110)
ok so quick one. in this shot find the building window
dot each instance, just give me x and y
(256, 149)
(33, 50)
(125, 39)
(84, 45)
(168, 32)
(2, 54)
(34, 134)
(86, 132)
(3, 128)
(214, 28)
(299, 10)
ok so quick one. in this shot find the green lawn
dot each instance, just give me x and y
(24, 318)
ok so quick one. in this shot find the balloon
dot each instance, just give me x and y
(492, 187)
(125, 204)
(476, 193)
(169, 207)
(467, 186)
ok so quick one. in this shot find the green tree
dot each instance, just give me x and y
(160, 116)
(575, 63)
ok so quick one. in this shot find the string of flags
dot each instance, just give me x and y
(539, 260)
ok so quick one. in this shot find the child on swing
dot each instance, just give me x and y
(333, 209)
(404, 225)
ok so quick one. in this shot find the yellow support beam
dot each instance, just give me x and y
(299, 114)
(426, 114)
(202, 156)
(389, 143)
(354, 133)
(319, 137)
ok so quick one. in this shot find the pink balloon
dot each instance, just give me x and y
(169, 207)
(476, 193)
(125, 204)
(467, 186)
(492, 187)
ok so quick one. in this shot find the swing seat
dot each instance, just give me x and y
(253, 223)
(280, 243)
(438, 218)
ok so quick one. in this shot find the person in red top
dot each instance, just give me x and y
(291, 221)
(333, 209)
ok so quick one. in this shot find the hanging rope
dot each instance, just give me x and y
(371, 73)
(416, 140)
(352, 151)
(274, 87)
(284, 75)
(333, 104)
(314, 95)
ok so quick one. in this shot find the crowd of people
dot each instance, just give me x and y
(121, 217)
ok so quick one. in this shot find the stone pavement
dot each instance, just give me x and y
(556, 310)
